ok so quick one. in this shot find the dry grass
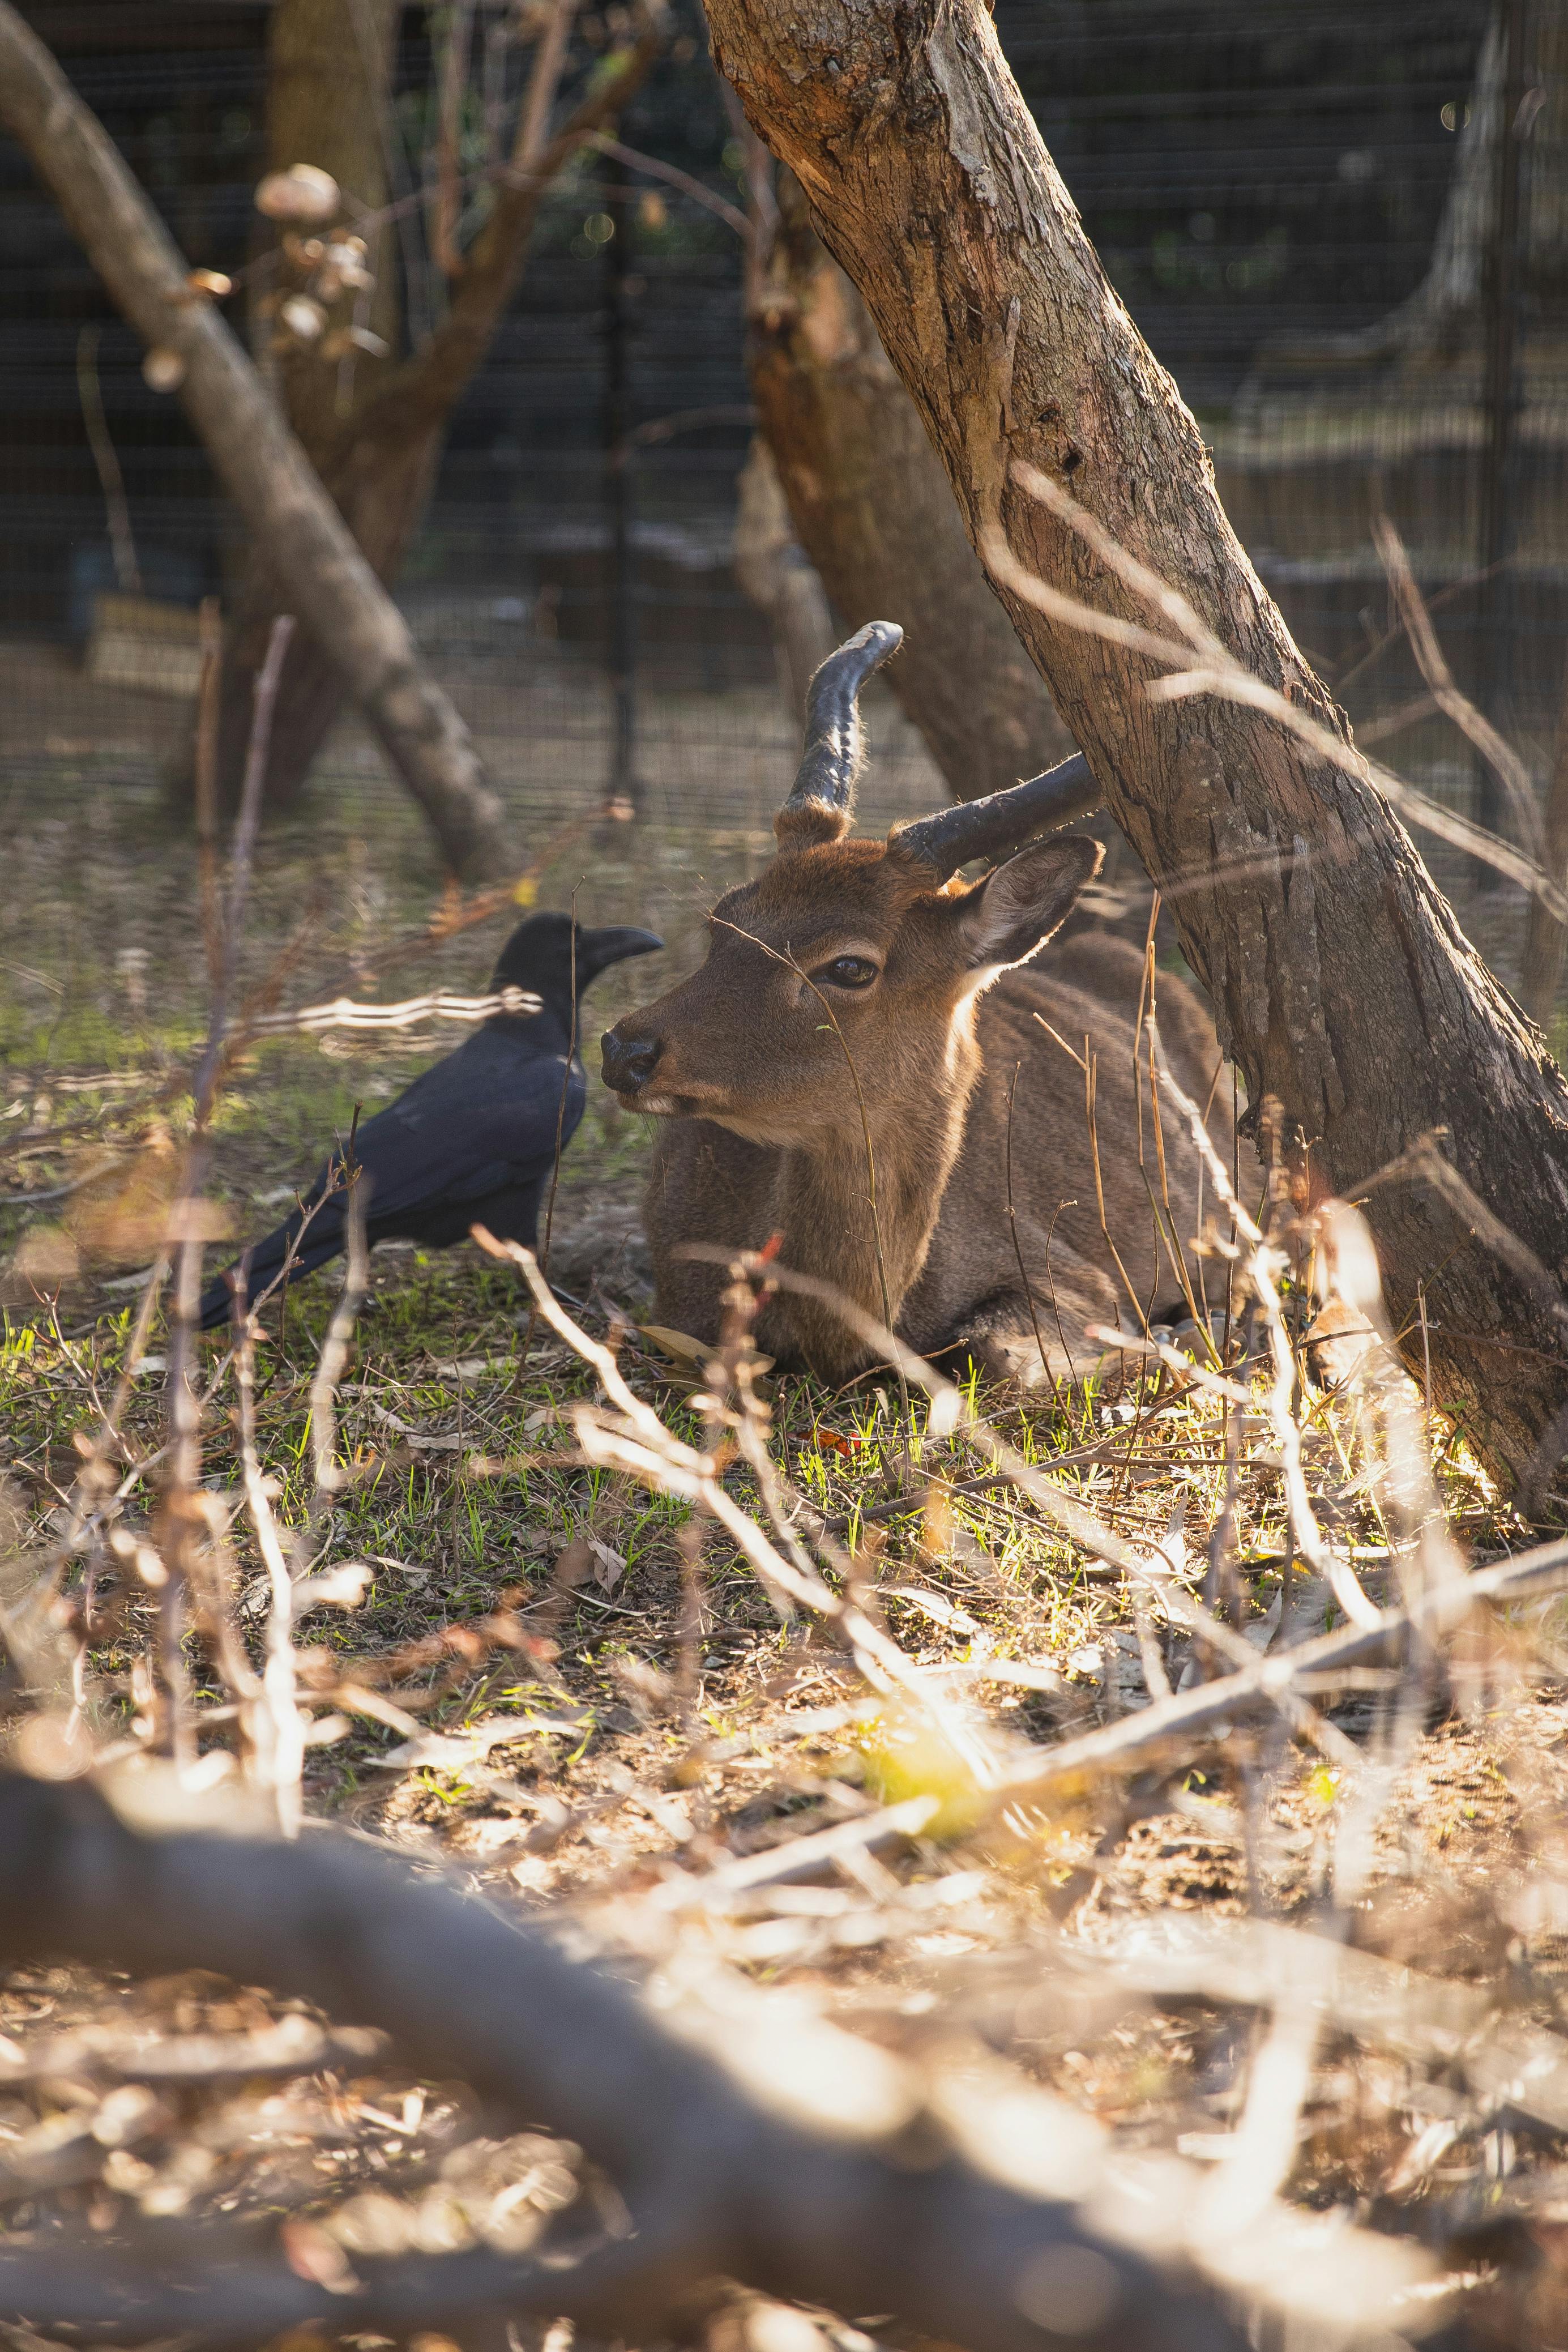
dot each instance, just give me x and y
(549, 1682)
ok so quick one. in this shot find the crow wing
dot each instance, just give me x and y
(482, 1121)
(485, 1118)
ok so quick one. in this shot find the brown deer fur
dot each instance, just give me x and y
(748, 1064)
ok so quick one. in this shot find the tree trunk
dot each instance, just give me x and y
(328, 94)
(381, 492)
(322, 573)
(1442, 323)
(379, 463)
(1342, 982)
(779, 576)
(330, 66)
(1545, 940)
(875, 512)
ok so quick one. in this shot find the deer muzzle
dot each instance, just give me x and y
(629, 1063)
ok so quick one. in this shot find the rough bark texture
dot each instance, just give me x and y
(1342, 982)
(329, 84)
(874, 510)
(379, 463)
(326, 580)
(1545, 940)
(775, 571)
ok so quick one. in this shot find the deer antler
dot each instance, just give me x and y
(822, 796)
(1002, 821)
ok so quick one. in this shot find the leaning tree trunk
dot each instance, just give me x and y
(1546, 939)
(323, 574)
(1342, 983)
(330, 66)
(874, 510)
(779, 578)
(379, 463)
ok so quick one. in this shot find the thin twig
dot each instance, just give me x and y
(544, 81)
(1219, 673)
(1263, 1265)
(952, 1411)
(1013, 1225)
(117, 507)
(269, 1710)
(650, 1452)
(343, 1013)
(208, 701)
(182, 1504)
(334, 1356)
(1500, 757)
(653, 169)
(790, 964)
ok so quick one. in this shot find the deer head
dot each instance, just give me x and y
(869, 951)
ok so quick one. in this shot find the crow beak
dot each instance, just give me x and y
(596, 951)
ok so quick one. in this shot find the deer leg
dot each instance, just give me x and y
(1032, 1337)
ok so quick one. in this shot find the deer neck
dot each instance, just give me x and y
(823, 1205)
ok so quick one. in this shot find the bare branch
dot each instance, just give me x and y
(326, 580)
(757, 2145)
(1500, 757)
(1219, 673)
(1264, 1266)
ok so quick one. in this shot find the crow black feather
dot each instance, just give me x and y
(473, 1140)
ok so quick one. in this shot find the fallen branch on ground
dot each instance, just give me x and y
(766, 2148)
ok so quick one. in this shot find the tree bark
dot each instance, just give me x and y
(326, 579)
(874, 510)
(779, 576)
(1442, 321)
(329, 93)
(1545, 940)
(1342, 982)
(329, 67)
(379, 463)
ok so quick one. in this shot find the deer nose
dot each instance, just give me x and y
(628, 1062)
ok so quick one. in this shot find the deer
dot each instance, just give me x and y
(888, 1068)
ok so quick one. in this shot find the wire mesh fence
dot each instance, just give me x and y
(1313, 212)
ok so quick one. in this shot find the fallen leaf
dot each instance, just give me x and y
(934, 1605)
(609, 1566)
(678, 1344)
(572, 1565)
(450, 1751)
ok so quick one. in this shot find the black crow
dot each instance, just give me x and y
(473, 1140)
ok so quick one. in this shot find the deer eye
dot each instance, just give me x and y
(849, 971)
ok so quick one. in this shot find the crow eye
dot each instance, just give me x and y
(849, 971)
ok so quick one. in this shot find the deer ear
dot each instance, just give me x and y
(1015, 910)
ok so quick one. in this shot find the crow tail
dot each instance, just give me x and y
(323, 1241)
